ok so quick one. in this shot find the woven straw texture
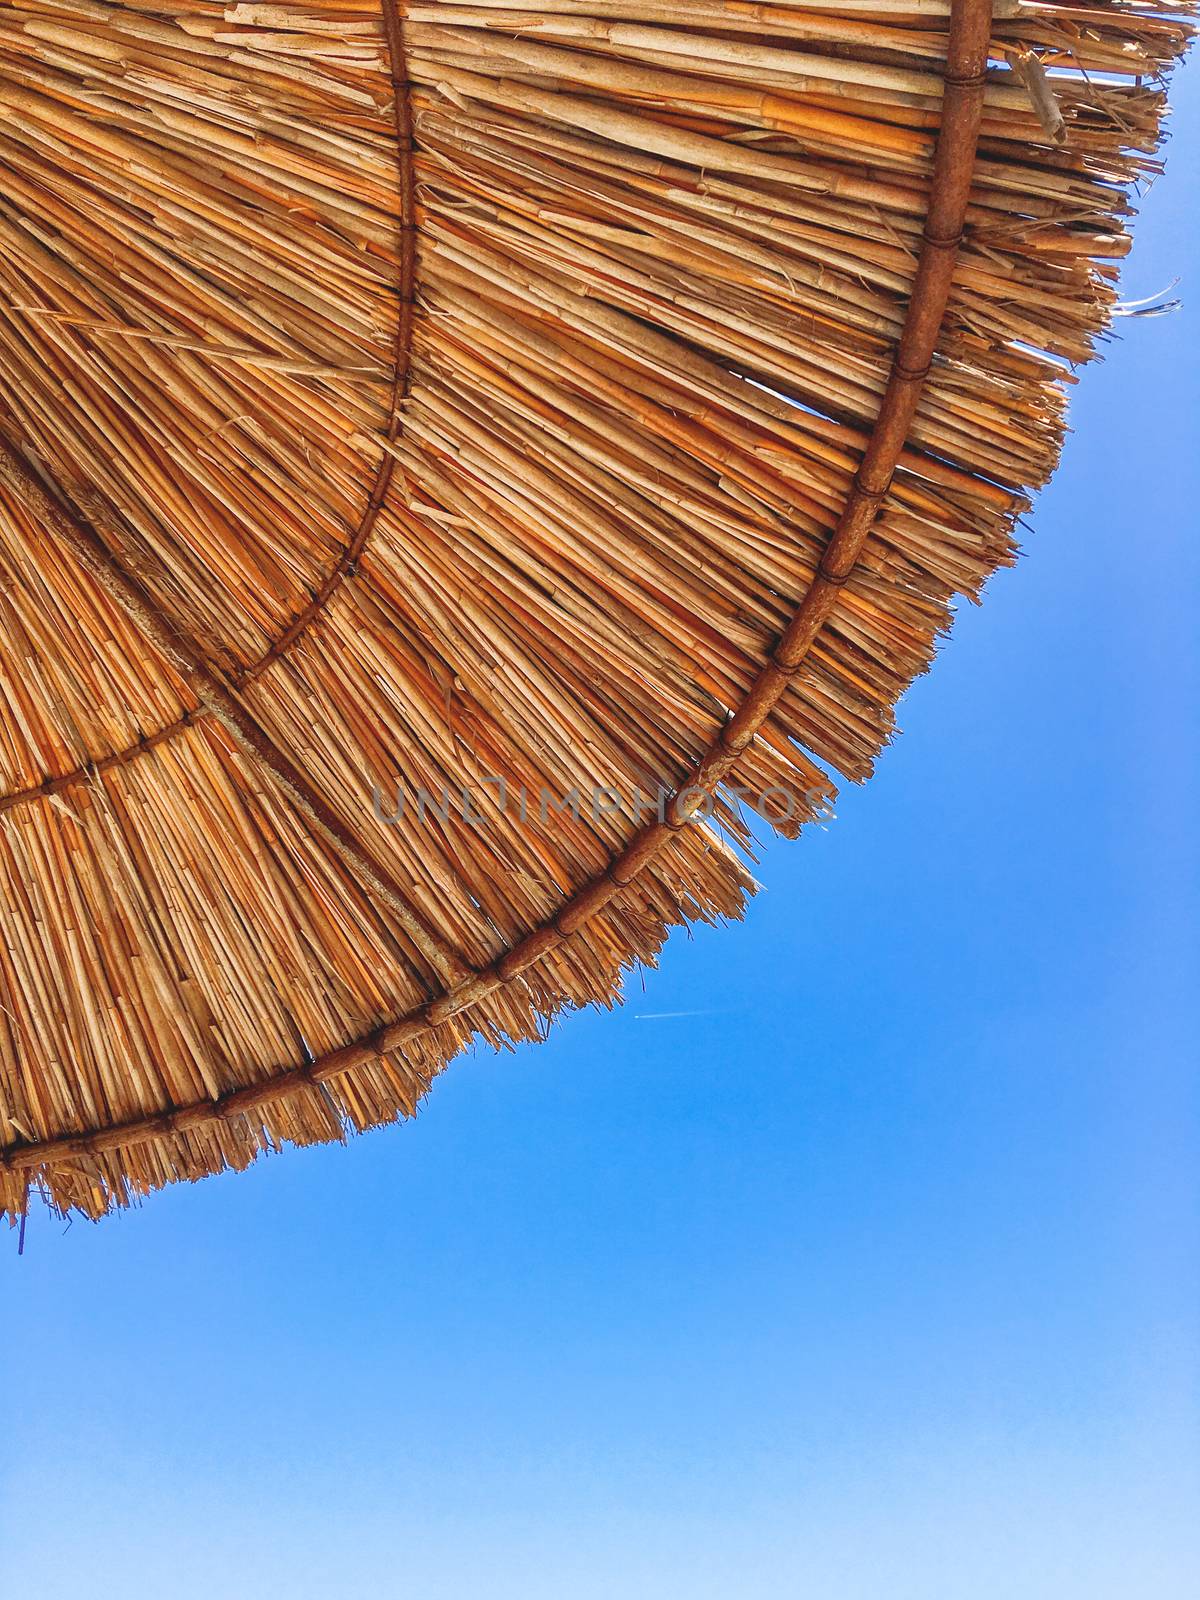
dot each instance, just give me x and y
(616, 394)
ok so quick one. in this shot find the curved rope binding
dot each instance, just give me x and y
(347, 564)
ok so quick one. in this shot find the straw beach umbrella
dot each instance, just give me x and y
(448, 453)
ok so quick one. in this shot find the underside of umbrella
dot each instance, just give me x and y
(455, 457)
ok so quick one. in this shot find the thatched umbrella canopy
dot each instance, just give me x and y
(608, 398)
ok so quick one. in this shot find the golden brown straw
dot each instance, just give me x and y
(728, 364)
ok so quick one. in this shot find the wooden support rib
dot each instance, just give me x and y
(966, 64)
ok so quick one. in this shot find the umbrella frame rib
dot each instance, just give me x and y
(964, 77)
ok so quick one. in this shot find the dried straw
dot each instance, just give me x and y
(594, 395)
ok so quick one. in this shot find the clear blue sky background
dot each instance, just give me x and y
(875, 1280)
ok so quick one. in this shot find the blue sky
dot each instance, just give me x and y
(874, 1277)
